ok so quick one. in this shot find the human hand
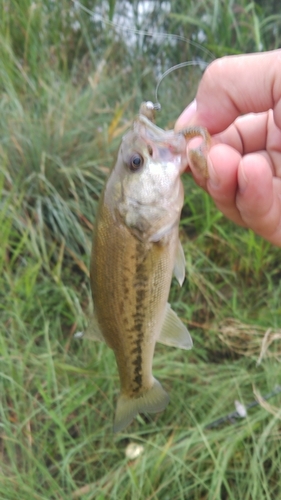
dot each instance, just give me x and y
(244, 161)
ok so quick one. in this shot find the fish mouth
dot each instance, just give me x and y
(163, 145)
(165, 138)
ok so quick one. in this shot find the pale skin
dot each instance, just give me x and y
(239, 102)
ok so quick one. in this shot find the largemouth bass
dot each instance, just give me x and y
(136, 250)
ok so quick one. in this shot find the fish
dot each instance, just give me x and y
(135, 252)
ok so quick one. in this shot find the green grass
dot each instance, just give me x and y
(66, 99)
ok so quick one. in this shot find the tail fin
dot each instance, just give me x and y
(152, 401)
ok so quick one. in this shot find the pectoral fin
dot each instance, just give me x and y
(92, 331)
(173, 332)
(163, 232)
(179, 268)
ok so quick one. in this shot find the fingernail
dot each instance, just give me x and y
(242, 178)
(213, 176)
(186, 116)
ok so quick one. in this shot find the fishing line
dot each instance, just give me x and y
(153, 34)
(178, 66)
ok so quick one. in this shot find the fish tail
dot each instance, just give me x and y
(151, 401)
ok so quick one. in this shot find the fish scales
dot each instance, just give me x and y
(135, 251)
(132, 281)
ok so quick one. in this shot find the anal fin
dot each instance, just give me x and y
(174, 333)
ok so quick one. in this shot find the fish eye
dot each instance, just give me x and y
(136, 162)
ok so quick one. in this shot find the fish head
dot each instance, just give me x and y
(144, 187)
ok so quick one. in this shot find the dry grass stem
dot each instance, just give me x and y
(249, 340)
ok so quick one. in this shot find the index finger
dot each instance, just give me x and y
(235, 85)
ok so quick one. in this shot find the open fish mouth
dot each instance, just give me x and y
(175, 142)
(166, 138)
(163, 145)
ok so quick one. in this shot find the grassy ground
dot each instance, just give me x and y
(65, 103)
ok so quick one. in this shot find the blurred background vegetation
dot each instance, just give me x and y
(72, 76)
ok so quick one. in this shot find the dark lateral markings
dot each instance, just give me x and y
(141, 287)
(138, 362)
(137, 350)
